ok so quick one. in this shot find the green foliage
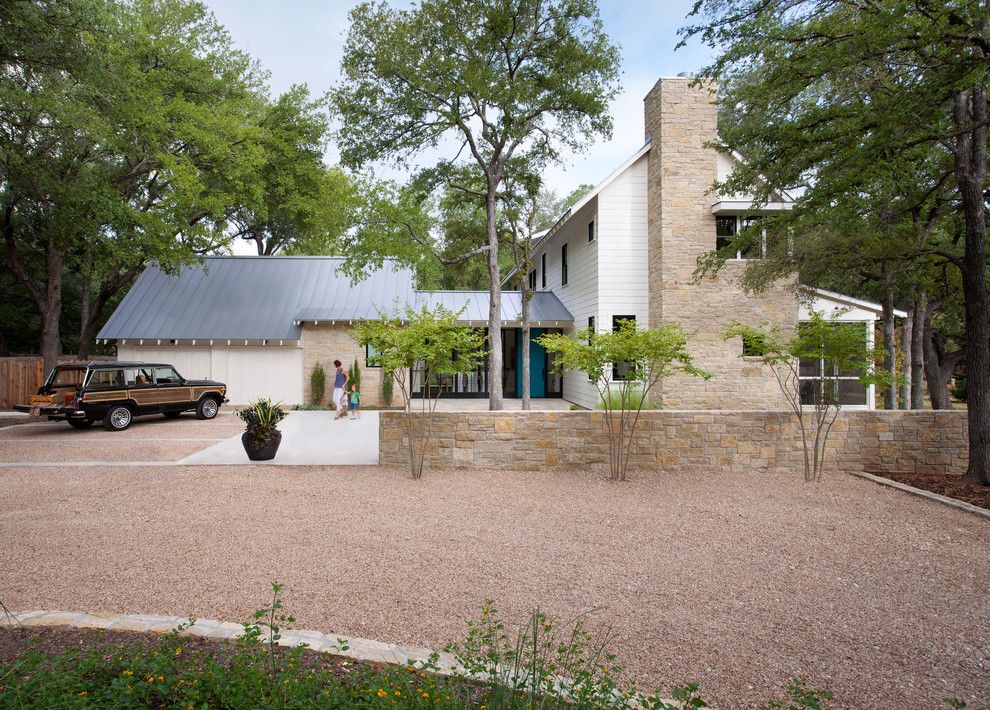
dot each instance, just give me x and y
(388, 387)
(842, 347)
(633, 401)
(432, 342)
(800, 698)
(317, 383)
(541, 666)
(261, 418)
(648, 356)
(356, 374)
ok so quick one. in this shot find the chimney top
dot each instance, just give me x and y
(686, 74)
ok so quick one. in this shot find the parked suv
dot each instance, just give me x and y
(116, 392)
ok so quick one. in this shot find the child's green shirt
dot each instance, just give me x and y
(355, 397)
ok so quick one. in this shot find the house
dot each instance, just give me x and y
(628, 250)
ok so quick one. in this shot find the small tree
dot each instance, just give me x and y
(837, 348)
(647, 356)
(432, 343)
(356, 374)
(317, 384)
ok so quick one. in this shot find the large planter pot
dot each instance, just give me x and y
(261, 451)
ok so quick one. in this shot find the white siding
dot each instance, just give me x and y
(249, 372)
(608, 276)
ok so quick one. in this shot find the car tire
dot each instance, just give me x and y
(171, 415)
(80, 423)
(207, 408)
(118, 418)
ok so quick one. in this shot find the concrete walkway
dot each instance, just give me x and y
(308, 438)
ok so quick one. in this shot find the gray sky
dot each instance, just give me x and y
(300, 42)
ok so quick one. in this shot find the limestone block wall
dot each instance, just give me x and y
(680, 119)
(683, 441)
(326, 343)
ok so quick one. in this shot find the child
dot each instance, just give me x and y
(353, 404)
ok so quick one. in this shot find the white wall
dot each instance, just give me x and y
(248, 371)
(608, 276)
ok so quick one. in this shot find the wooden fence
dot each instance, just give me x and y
(20, 378)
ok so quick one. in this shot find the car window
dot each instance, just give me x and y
(167, 376)
(68, 377)
(137, 376)
(106, 378)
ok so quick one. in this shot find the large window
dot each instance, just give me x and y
(621, 370)
(822, 380)
(726, 230)
(167, 376)
(563, 265)
(371, 356)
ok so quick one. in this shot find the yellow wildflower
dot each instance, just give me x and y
(178, 650)
(128, 672)
(381, 693)
(398, 694)
(83, 694)
(151, 679)
(161, 679)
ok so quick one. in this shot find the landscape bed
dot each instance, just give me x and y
(945, 484)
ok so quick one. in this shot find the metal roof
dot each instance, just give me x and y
(252, 298)
(265, 298)
(544, 306)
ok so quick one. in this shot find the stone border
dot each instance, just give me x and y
(921, 493)
(358, 649)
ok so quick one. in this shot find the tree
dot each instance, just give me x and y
(836, 348)
(132, 147)
(647, 356)
(430, 343)
(832, 92)
(503, 79)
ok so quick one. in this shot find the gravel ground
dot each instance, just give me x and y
(151, 438)
(737, 581)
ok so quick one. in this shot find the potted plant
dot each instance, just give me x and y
(261, 436)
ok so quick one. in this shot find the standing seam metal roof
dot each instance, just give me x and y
(262, 298)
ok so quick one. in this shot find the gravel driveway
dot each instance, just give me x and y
(733, 580)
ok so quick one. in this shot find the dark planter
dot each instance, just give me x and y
(261, 451)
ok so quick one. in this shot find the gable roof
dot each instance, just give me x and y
(252, 298)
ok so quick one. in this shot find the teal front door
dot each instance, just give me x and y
(537, 364)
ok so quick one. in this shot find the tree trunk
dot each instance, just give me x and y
(906, 343)
(85, 302)
(525, 348)
(918, 351)
(495, 302)
(51, 309)
(890, 350)
(970, 156)
(938, 366)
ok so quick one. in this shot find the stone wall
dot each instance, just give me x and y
(680, 119)
(683, 441)
(326, 343)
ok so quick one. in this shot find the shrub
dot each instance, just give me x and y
(356, 375)
(388, 387)
(317, 384)
(634, 401)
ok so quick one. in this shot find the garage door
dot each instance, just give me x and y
(249, 372)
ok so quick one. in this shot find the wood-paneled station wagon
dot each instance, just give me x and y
(116, 392)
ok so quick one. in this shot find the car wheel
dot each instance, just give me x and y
(80, 423)
(207, 408)
(118, 418)
(171, 415)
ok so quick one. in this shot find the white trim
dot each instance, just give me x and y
(875, 308)
(729, 207)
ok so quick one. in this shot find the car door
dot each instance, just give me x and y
(173, 393)
(141, 389)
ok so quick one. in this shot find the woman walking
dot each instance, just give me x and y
(339, 383)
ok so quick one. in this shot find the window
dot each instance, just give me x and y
(753, 346)
(621, 370)
(137, 377)
(728, 228)
(591, 231)
(371, 356)
(591, 327)
(821, 379)
(563, 265)
(106, 378)
(532, 280)
(543, 270)
(167, 376)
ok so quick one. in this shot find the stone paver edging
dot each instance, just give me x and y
(921, 493)
(358, 649)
